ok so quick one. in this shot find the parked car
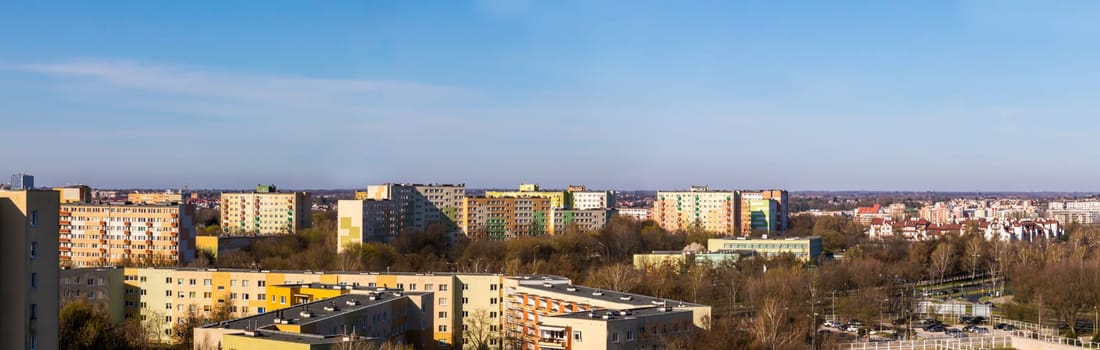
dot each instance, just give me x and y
(831, 324)
(981, 330)
(852, 328)
(935, 328)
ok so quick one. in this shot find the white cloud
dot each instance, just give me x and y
(198, 90)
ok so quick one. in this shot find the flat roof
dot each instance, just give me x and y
(617, 315)
(638, 300)
(304, 338)
(343, 304)
(399, 273)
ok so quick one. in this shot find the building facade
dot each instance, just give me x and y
(28, 227)
(716, 212)
(585, 220)
(585, 200)
(368, 220)
(110, 234)
(807, 249)
(155, 197)
(558, 199)
(22, 182)
(507, 217)
(419, 206)
(640, 214)
(265, 212)
(101, 288)
(74, 194)
(751, 215)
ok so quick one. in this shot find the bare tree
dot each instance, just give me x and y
(617, 277)
(477, 332)
(942, 257)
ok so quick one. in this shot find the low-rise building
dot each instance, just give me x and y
(679, 259)
(804, 248)
(156, 197)
(344, 316)
(640, 214)
(74, 194)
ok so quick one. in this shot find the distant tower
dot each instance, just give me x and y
(22, 182)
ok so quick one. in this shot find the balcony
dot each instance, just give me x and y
(126, 251)
(127, 232)
(64, 249)
(175, 224)
(65, 231)
(126, 242)
(149, 242)
(148, 224)
(102, 250)
(102, 241)
(174, 215)
(102, 223)
(175, 252)
(102, 232)
(148, 252)
(173, 234)
(63, 240)
(126, 223)
(64, 222)
(64, 213)
(65, 257)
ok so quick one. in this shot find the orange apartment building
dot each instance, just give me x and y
(110, 234)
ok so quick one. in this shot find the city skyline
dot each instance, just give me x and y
(945, 96)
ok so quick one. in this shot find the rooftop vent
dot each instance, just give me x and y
(625, 312)
(571, 288)
(626, 297)
(598, 293)
(548, 285)
(352, 302)
(305, 314)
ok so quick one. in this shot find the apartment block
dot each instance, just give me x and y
(716, 212)
(585, 220)
(804, 248)
(22, 182)
(585, 200)
(155, 197)
(94, 234)
(326, 316)
(558, 199)
(102, 288)
(777, 218)
(28, 228)
(640, 214)
(361, 221)
(74, 194)
(507, 217)
(418, 206)
(549, 312)
(265, 211)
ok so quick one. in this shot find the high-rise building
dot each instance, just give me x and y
(93, 234)
(22, 182)
(781, 212)
(507, 217)
(587, 220)
(759, 215)
(585, 200)
(265, 211)
(75, 194)
(28, 254)
(716, 212)
(419, 206)
(369, 220)
(558, 199)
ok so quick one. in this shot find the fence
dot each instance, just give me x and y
(1046, 333)
(973, 343)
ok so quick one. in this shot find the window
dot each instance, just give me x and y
(232, 283)
(442, 287)
(168, 306)
(167, 318)
(492, 301)
(443, 301)
(168, 293)
(206, 295)
(261, 296)
(614, 337)
(412, 286)
(492, 287)
(428, 287)
(443, 314)
(192, 281)
(167, 280)
(261, 310)
(629, 335)
(34, 280)
(205, 282)
(244, 283)
(34, 341)
(282, 300)
(465, 286)
(465, 314)
(492, 314)
(191, 295)
(261, 283)
(465, 300)
(34, 311)
(442, 328)
(34, 218)
(577, 335)
(232, 296)
(34, 249)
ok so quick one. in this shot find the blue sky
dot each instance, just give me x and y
(879, 95)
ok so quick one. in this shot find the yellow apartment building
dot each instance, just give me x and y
(28, 227)
(265, 211)
(111, 234)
